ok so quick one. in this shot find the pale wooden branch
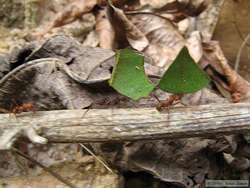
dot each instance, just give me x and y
(107, 125)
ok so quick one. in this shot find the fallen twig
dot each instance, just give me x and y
(243, 44)
(97, 158)
(54, 174)
(110, 125)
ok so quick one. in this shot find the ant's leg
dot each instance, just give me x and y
(11, 111)
(33, 111)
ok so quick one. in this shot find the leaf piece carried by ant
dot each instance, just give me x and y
(128, 76)
(183, 75)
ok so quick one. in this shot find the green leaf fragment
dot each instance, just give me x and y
(183, 75)
(128, 76)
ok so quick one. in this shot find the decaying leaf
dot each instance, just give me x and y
(61, 74)
(125, 30)
(183, 162)
(235, 85)
(85, 61)
(30, 86)
(104, 30)
(45, 75)
(128, 76)
(183, 75)
(165, 41)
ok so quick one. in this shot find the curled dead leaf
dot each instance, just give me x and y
(165, 41)
(224, 76)
(126, 32)
(104, 30)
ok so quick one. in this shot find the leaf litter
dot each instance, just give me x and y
(181, 163)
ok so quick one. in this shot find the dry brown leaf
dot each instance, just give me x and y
(165, 39)
(126, 32)
(181, 9)
(104, 30)
(202, 15)
(219, 67)
(174, 161)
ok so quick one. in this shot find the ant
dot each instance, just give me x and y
(25, 107)
(173, 99)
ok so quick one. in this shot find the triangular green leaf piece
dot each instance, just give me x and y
(183, 75)
(128, 76)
